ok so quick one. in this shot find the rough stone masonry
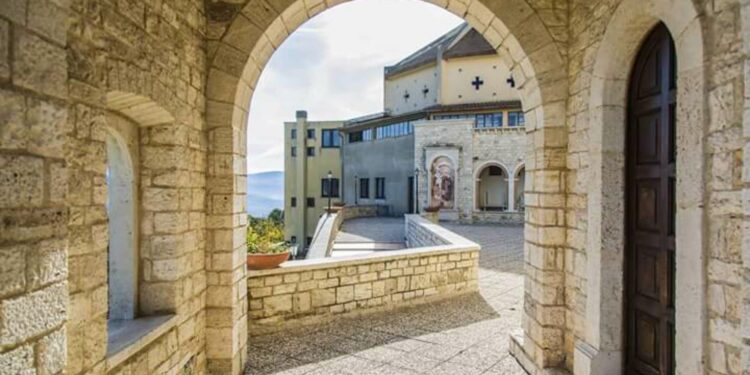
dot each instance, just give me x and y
(182, 72)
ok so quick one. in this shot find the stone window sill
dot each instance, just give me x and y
(126, 338)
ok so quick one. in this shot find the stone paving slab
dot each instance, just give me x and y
(464, 335)
(372, 229)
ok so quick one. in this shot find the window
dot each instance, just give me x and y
(310, 202)
(329, 188)
(294, 134)
(489, 120)
(293, 239)
(331, 138)
(364, 188)
(311, 151)
(122, 255)
(355, 137)
(294, 151)
(516, 119)
(367, 135)
(293, 202)
(309, 241)
(495, 171)
(310, 133)
(380, 188)
(394, 130)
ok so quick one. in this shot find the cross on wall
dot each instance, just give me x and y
(477, 82)
(406, 95)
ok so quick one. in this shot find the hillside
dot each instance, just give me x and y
(265, 191)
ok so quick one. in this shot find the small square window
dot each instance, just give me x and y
(309, 241)
(293, 239)
(293, 202)
(294, 134)
(294, 151)
(310, 133)
(311, 151)
(310, 202)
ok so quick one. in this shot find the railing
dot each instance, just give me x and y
(329, 225)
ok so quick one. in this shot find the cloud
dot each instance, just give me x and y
(332, 66)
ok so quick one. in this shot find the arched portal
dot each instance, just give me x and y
(649, 206)
(601, 349)
(244, 38)
(492, 188)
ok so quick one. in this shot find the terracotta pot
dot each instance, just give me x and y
(432, 216)
(266, 261)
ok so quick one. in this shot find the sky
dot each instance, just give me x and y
(332, 67)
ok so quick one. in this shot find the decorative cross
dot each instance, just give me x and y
(406, 95)
(477, 82)
(425, 90)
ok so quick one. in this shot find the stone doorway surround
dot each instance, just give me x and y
(600, 351)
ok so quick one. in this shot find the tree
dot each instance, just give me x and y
(276, 216)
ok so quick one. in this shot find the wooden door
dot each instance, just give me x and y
(650, 208)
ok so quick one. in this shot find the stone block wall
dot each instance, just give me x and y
(311, 291)
(34, 120)
(308, 292)
(420, 232)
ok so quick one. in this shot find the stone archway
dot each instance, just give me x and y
(501, 185)
(600, 351)
(242, 38)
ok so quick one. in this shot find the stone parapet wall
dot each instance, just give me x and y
(420, 232)
(311, 291)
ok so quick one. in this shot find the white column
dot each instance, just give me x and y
(511, 194)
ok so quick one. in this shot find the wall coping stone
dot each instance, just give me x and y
(315, 264)
(132, 336)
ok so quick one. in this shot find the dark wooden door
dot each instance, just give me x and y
(650, 213)
(410, 194)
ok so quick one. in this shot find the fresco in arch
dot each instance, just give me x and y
(443, 182)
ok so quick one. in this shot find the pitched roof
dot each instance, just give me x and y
(462, 41)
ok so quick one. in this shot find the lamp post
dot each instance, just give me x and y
(330, 191)
(416, 191)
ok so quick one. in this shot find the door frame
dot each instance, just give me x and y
(600, 349)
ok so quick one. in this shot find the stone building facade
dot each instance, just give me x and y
(481, 195)
(183, 73)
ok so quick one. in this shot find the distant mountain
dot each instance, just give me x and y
(265, 191)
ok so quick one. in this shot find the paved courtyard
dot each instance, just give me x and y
(465, 335)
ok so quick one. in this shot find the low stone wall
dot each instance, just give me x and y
(315, 290)
(329, 225)
(490, 217)
(421, 232)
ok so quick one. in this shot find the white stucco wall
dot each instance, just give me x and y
(458, 74)
(413, 82)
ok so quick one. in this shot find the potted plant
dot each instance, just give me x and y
(267, 255)
(265, 244)
(432, 213)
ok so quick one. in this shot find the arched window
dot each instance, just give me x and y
(121, 211)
